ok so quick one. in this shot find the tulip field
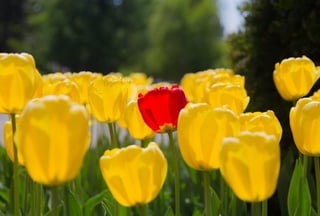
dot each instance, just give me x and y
(166, 149)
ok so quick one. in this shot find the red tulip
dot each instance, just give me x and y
(160, 107)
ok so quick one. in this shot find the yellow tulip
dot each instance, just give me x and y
(224, 75)
(54, 77)
(305, 126)
(133, 174)
(201, 129)
(250, 164)
(83, 80)
(136, 126)
(53, 137)
(261, 121)
(233, 96)
(8, 141)
(316, 95)
(294, 77)
(108, 96)
(187, 84)
(140, 79)
(196, 84)
(63, 87)
(19, 80)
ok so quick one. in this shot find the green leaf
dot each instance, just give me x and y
(169, 212)
(197, 213)
(96, 200)
(299, 198)
(237, 207)
(216, 202)
(287, 167)
(123, 211)
(73, 204)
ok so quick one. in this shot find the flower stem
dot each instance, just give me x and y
(113, 135)
(55, 200)
(265, 208)
(176, 173)
(16, 183)
(317, 171)
(143, 143)
(305, 161)
(255, 209)
(224, 196)
(114, 144)
(36, 198)
(207, 194)
(234, 204)
(142, 210)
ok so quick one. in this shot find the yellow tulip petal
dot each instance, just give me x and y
(294, 77)
(53, 136)
(19, 80)
(134, 175)
(201, 129)
(250, 163)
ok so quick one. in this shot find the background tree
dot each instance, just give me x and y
(185, 36)
(12, 24)
(274, 30)
(95, 35)
(164, 38)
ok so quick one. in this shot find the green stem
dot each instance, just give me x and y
(176, 173)
(116, 207)
(15, 169)
(317, 171)
(113, 136)
(305, 160)
(55, 200)
(255, 209)
(234, 205)
(207, 194)
(143, 143)
(114, 144)
(224, 196)
(265, 208)
(66, 189)
(31, 191)
(142, 210)
(36, 194)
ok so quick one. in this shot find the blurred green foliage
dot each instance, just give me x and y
(12, 23)
(164, 38)
(185, 36)
(273, 31)
(93, 35)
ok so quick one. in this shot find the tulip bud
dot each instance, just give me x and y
(83, 80)
(133, 174)
(19, 81)
(160, 107)
(294, 77)
(233, 96)
(305, 125)
(261, 121)
(108, 97)
(136, 126)
(53, 137)
(250, 164)
(201, 129)
(8, 141)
